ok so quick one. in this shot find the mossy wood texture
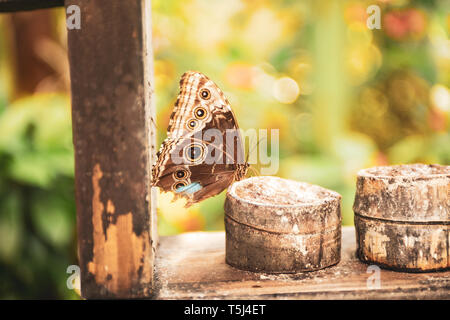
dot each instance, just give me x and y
(402, 217)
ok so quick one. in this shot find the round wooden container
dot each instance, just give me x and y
(402, 217)
(275, 225)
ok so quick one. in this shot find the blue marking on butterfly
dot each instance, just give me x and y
(190, 188)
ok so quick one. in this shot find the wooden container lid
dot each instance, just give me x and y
(402, 216)
(276, 225)
(415, 192)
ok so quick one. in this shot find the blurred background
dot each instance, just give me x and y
(343, 97)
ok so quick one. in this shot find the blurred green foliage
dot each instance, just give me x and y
(343, 97)
(37, 209)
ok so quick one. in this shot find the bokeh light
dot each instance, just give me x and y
(286, 90)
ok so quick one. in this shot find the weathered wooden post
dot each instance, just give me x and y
(111, 78)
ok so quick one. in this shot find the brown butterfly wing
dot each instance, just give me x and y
(191, 85)
(200, 179)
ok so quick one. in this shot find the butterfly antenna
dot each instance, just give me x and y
(250, 151)
(254, 171)
(246, 158)
(256, 146)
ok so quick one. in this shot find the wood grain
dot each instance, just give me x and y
(192, 266)
(22, 5)
(402, 216)
(110, 68)
(279, 225)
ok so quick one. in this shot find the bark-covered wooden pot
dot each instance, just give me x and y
(275, 225)
(402, 217)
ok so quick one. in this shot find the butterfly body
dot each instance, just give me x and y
(203, 153)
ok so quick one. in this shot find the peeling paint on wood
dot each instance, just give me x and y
(112, 267)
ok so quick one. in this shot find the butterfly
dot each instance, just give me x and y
(203, 152)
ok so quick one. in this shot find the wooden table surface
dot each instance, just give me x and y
(192, 266)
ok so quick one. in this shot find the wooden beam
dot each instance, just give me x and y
(22, 5)
(110, 69)
(192, 266)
